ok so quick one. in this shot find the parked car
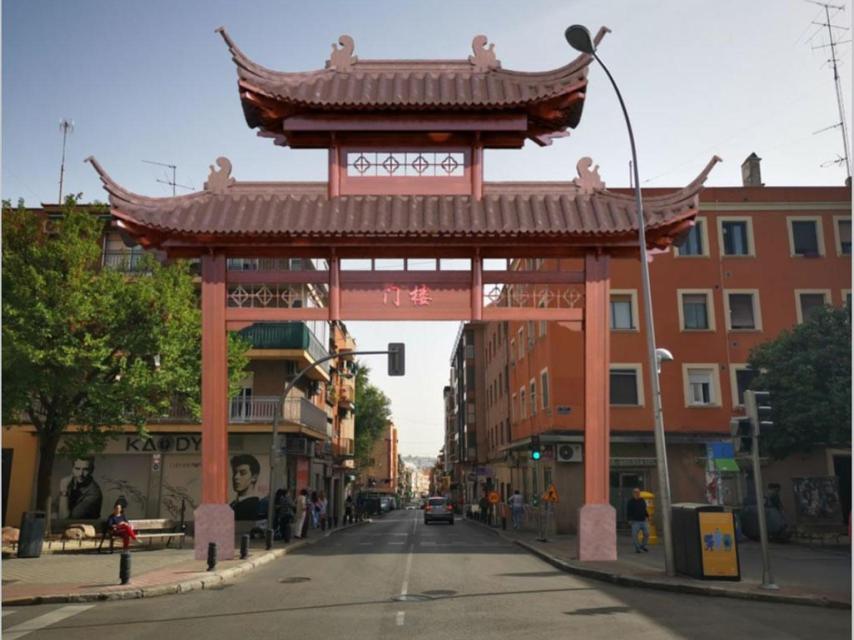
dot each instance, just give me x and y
(386, 504)
(438, 508)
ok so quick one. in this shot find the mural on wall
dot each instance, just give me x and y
(181, 484)
(87, 488)
(817, 500)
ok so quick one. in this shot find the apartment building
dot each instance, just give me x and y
(758, 261)
(381, 474)
(160, 477)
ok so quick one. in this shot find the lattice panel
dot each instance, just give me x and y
(533, 296)
(276, 296)
(413, 164)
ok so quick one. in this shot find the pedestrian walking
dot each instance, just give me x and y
(517, 508)
(638, 518)
(284, 514)
(314, 510)
(322, 510)
(301, 514)
(348, 510)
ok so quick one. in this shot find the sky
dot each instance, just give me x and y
(152, 81)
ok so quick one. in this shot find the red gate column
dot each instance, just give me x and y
(597, 519)
(214, 519)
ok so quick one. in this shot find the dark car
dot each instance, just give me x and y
(438, 508)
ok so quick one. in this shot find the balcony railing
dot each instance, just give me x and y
(125, 261)
(261, 409)
(286, 335)
(344, 448)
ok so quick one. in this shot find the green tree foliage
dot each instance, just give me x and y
(87, 350)
(373, 413)
(808, 372)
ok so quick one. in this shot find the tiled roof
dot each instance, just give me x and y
(301, 210)
(410, 85)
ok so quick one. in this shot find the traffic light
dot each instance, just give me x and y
(396, 359)
(758, 407)
(536, 453)
(742, 435)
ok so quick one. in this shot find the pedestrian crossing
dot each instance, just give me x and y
(42, 621)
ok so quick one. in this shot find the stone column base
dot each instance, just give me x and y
(214, 523)
(597, 533)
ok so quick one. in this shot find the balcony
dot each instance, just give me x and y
(124, 261)
(344, 448)
(287, 340)
(261, 409)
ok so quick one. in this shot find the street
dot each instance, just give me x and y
(397, 576)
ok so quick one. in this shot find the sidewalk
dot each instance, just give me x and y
(817, 576)
(89, 576)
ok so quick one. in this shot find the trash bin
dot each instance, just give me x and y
(704, 542)
(32, 534)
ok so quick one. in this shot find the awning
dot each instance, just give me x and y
(726, 464)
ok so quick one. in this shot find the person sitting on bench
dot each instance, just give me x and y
(118, 525)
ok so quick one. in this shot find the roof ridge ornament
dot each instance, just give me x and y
(588, 181)
(343, 59)
(219, 181)
(484, 58)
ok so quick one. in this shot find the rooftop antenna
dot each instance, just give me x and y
(171, 182)
(846, 158)
(66, 126)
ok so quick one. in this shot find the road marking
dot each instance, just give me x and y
(8, 612)
(399, 618)
(20, 630)
(395, 542)
(405, 588)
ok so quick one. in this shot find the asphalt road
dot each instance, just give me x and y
(398, 577)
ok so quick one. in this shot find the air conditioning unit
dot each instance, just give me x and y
(569, 453)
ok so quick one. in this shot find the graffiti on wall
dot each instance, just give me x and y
(817, 500)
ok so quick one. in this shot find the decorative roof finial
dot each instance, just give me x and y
(219, 181)
(483, 58)
(588, 181)
(342, 59)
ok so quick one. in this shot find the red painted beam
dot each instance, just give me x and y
(414, 122)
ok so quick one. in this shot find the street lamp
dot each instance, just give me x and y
(579, 39)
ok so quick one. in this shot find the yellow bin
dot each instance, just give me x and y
(650, 507)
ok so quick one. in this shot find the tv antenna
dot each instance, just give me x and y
(172, 182)
(844, 160)
(66, 126)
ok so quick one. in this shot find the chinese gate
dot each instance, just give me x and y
(405, 228)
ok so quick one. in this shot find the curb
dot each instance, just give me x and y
(214, 581)
(660, 585)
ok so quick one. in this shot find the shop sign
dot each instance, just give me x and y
(164, 444)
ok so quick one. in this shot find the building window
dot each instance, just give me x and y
(533, 397)
(735, 238)
(805, 237)
(843, 236)
(625, 385)
(513, 408)
(695, 311)
(500, 385)
(809, 301)
(742, 310)
(522, 410)
(623, 311)
(701, 385)
(544, 385)
(512, 350)
(695, 242)
(846, 295)
(741, 377)
(521, 344)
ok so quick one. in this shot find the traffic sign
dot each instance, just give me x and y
(494, 497)
(551, 494)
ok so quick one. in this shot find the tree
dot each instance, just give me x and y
(88, 350)
(808, 372)
(373, 413)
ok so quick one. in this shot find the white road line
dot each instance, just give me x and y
(399, 618)
(8, 612)
(20, 630)
(405, 588)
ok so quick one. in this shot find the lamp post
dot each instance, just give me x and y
(579, 39)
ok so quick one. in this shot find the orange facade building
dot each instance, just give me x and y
(756, 262)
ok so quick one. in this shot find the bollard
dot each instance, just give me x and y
(124, 567)
(211, 556)
(268, 539)
(244, 546)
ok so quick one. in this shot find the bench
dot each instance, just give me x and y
(149, 530)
